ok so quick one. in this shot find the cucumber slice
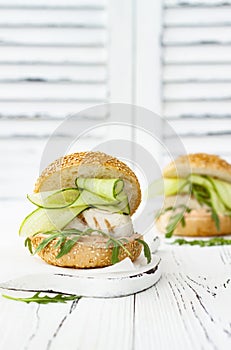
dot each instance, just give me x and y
(43, 220)
(58, 208)
(54, 199)
(92, 199)
(105, 194)
(108, 188)
(214, 197)
(173, 186)
(223, 190)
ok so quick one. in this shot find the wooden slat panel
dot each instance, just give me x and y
(53, 63)
(196, 3)
(55, 55)
(196, 73)
(43, 91)
(215, 108)
(205, 54)
(189, 36)
(47, 110)
(197, 91)
(40, 129)
(96, 4)
(53, 36)
(190, 16)
(212, 144)
(203, 126)
(66, 18)
(52, 73)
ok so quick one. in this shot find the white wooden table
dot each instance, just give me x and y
(189, 308)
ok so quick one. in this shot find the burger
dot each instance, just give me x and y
(84, 203)
(197, 189)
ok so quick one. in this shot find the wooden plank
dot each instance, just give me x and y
(44, 128)
(53, 55)
(31, 323)
(198, 54)
(43, 91)
(46, 110)
(202, 126)
(120, 314)
(193, 17)
(197, 3)
(51, 73)
(55, 4)
(60, 334)
(78, 37)
(196, 73)
(200, 91)
(212, 144)
(189, 36)
(197, 109)
(66, 18)
(189, 293)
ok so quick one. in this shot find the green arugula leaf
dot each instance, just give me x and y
(66, 248)
(68, 238)
(28, 244)
(117, 244)
(216, 241)
(45, 242)
(215, 217)
(60, 242)
(115, 254)
(175, 219)
(36, 298)
(147, 251)
(202, 195)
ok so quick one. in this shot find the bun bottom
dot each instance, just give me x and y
(197, 225)
(87, 253)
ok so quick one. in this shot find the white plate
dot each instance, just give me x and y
(89, 283)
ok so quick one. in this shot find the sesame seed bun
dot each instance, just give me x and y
(63, 172)
(201, 164)
(88, 252)
(198, 223)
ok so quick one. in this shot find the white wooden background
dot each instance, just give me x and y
(60, 57)
(196, 43)
(189, 308)
(170, 56)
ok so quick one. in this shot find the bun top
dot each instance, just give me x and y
(63, 172)
(201, 164)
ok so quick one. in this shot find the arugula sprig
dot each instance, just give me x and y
(175, 218)
(116, 244)
(216, 241)
(147, 251)
(36, 298)
(66, 239)
(202, 195)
